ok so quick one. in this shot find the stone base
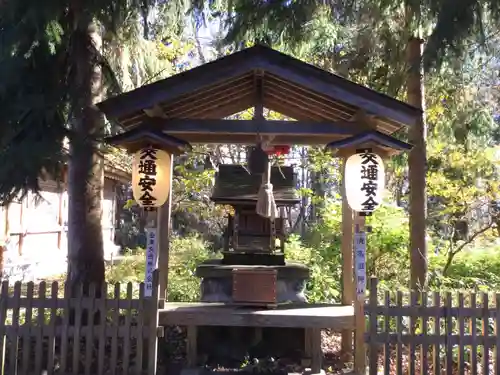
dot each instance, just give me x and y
(234, 343)
(217, 281)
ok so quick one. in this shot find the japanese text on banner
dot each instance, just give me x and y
(147, 170)
(369, 174)
(151, 260)
(360, 264)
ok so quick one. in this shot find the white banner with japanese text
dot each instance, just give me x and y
(151, 261)
(360, 264)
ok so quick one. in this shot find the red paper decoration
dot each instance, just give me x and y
(278, 150)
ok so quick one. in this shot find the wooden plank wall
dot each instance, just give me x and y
(433, 333)
(32, 225)
(46, 329)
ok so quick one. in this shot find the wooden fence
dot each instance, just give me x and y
(432, 333)
(45, 330)
(111, 330)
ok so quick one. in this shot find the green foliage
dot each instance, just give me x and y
(387, 259)
(387, 252)
(477, 270)
(323, 262)
(185, 254)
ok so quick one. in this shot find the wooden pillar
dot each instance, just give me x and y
(164, 224)
(151, 320)
(347, 266)
(359, 316)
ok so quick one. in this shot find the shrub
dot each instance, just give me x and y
(324, 264)
(387, 251)
(185, 254)
(478, 270)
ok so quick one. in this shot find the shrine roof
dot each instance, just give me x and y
(234, 184)
(228, 85)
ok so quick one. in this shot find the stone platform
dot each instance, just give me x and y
(217, 279)
(218, 331)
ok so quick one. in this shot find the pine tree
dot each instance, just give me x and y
(275, 22)
(52, 73)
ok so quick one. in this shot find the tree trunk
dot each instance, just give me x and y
(417, 167)
(85, 174)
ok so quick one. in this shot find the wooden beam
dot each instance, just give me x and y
(257, 126)
(252, 139)
(335, 317)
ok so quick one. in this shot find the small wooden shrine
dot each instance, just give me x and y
(251, 239)
(194, 107)
(253, 268)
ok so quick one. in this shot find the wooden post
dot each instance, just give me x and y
(164, 221)
(151, 313)
(152, 324)
(373, 325)
(347, 266)
(359, 316)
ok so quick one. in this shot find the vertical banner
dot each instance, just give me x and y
(360, 264)
(151, 260)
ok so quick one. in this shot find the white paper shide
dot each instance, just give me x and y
(360, 264)
(151, 261)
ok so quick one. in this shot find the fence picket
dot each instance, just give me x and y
(14, 334)
(4, 295)
(424, 348)
(449, 332)
(89, 338)
(436, 355)
(485, 332)
(54, 291)
(26, 350)
(387, 329)
(65, 325)
(103, 312)
(115, 325)
(77, 311)
(461, 334)
(42, 289)
(473, 333)
(412, 347)
(399, 332)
